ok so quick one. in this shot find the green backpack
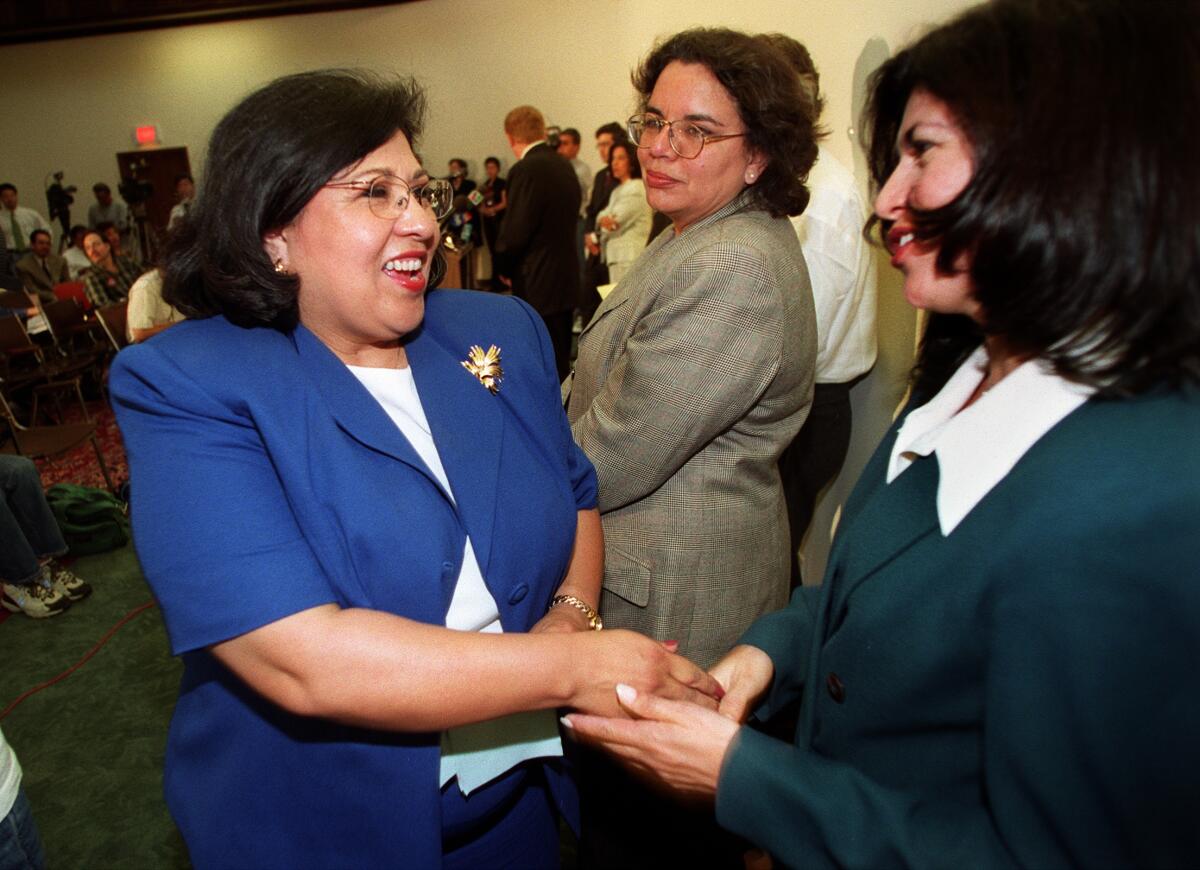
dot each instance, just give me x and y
(91, 520)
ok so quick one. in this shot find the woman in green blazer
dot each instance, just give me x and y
(1000, 667)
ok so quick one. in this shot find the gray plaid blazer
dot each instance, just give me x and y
(694, 374)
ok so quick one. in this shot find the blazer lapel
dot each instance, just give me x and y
(467, 423)
(898, 514)
(355, 409)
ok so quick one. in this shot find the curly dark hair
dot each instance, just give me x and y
(267, 158)
(1082, 242)
(778, 114)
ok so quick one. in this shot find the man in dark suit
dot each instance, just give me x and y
(41, 269)
(535, 253)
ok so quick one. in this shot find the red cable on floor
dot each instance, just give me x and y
(95, 649)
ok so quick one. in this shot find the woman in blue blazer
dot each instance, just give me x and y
(1000, 667)
(360, 507)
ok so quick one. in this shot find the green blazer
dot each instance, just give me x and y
(1022, 692)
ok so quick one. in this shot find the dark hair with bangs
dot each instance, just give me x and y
(778, 114)
(635, 168)
(267, 158)
(1081, 221)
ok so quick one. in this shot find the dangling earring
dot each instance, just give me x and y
(279, 267)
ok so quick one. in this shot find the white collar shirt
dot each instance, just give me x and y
(978, 446)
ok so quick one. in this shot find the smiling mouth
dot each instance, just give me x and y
(404, 264)
(898, 237)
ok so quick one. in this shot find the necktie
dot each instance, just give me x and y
(16, 231)
(46, 269)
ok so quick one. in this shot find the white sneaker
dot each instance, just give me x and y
(62, 581)
(33, 600)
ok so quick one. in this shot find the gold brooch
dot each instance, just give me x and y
(485, 366)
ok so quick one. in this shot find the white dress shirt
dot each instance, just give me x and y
(841, 267)
(27, 219)
(978, 446)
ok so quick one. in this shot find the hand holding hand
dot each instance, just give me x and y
(745, 673)
(614, 656)
(679, 745)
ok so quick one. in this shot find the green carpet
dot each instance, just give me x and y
(92, 744)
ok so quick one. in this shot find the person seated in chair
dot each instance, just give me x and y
(34, 581)
(41, 268)
(111, 274)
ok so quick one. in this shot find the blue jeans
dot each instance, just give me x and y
(20, 846)
(28, 532)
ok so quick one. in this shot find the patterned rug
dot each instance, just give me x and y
(79, 465)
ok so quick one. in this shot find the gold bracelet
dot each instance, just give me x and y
(595, 623)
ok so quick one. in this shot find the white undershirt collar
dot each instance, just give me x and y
(978, 446)
(530, 147)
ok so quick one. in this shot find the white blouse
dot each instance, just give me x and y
(480, 752)
(978, 446)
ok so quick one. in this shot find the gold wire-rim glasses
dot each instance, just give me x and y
(642, 123)
(436, 195)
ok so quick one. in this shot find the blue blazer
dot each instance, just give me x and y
(266, 480)
(1021, 692)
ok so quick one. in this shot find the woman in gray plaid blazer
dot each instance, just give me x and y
(697, 370)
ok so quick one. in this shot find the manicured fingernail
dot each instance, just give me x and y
(627, 694)
(720, 692)
(672, 645)
(567, 723)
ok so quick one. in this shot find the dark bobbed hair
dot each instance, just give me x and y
(1080, 222)
(267, 158)
(777, 112)
(635, 168)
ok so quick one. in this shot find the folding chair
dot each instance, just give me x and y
(113, 320)
(38, 442)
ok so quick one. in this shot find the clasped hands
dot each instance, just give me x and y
(681, 742)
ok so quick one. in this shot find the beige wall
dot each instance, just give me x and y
(82, 98)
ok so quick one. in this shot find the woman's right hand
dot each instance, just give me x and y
(614, 656)
(745, 673)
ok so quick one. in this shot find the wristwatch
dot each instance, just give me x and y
(595, 623)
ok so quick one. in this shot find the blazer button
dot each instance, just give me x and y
(518, 593)
(447, 567)
(837, 689)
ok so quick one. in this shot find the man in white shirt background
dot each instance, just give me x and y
(17, 222)
(185, 191)
(842, 270)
